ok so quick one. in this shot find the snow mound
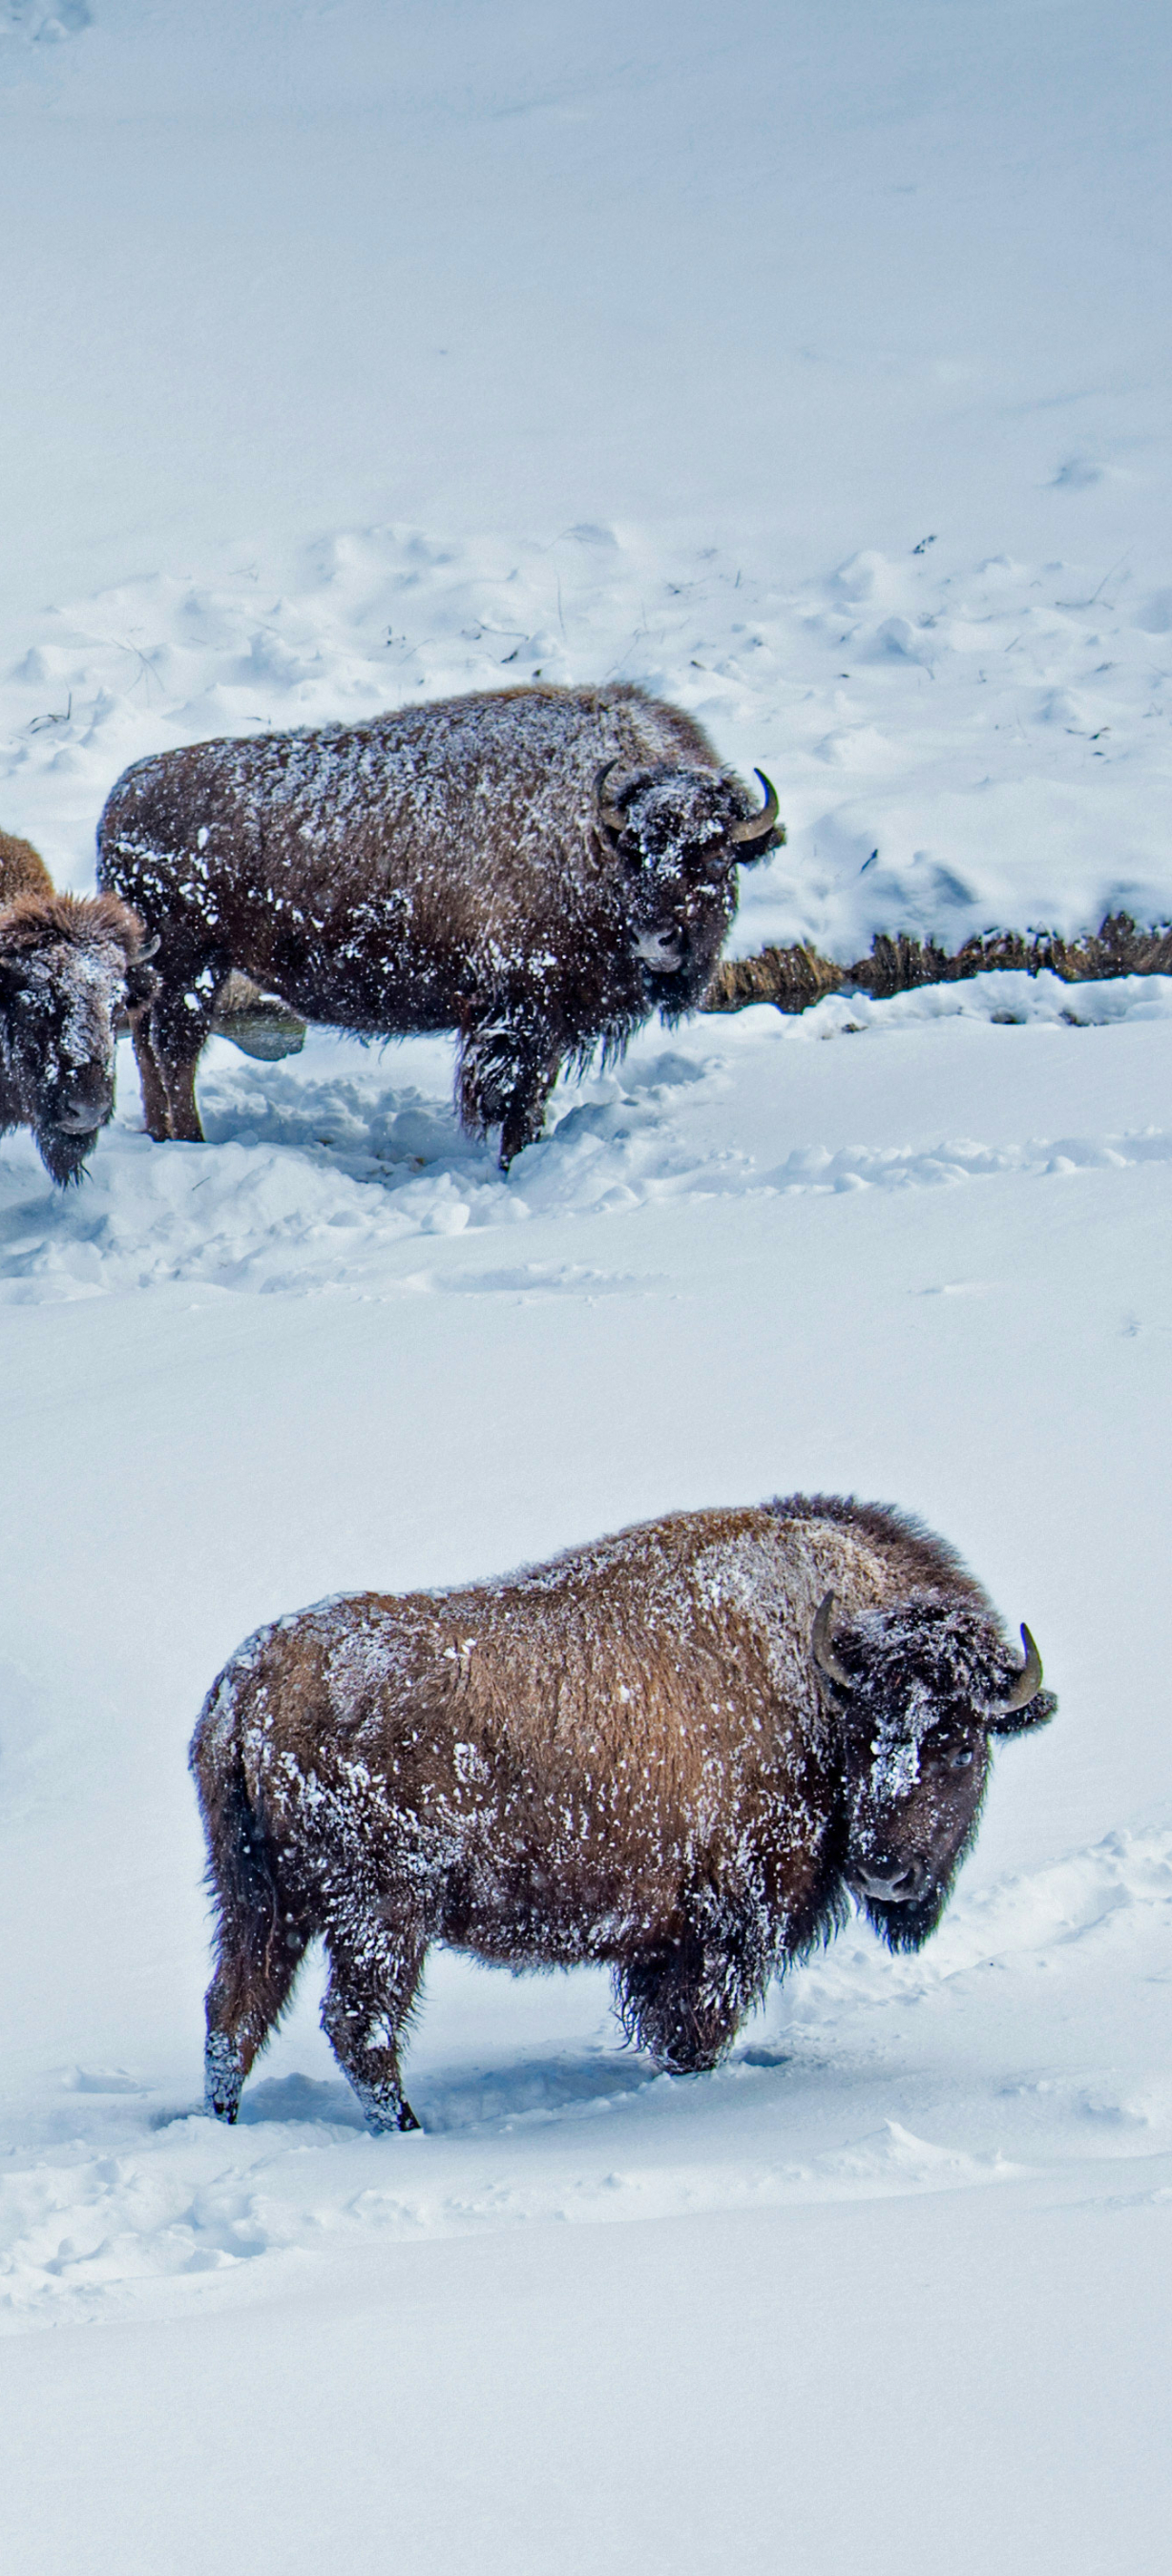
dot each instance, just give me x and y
(958, 745)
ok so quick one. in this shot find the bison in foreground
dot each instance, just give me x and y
(536, 869)
(71, 967)
(677, 1751)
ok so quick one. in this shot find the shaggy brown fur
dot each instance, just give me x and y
(626, 1755)
(71, 968)
(443, 867)
(794, 978)
(22, 869)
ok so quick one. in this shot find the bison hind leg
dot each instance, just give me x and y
(262, 1936)
(365, 2010)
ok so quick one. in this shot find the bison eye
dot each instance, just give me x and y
(962, 1759)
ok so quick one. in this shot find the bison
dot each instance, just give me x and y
(679, 1750)
(71, 967)
(537, 869)
(22, 870)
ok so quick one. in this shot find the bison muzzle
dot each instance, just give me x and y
(679, 1751)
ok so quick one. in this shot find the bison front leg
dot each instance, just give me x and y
(684, 2002)
(508, 1066)
(364, 2010)
(156, 1107)
(180, 1024)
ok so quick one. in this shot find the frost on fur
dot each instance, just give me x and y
(640, 1754)
(537, 870)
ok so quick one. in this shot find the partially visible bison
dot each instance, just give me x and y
(71, 968)
(537, 869)
(677, 1751)
(22, 869)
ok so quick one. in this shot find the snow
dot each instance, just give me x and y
(363, 354)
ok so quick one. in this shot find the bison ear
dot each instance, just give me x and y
(1037, 1712)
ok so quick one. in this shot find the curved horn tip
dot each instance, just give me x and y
(1029, 1680)
(755, 826)
(821, 1648)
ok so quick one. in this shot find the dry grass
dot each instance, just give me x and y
(793, 978)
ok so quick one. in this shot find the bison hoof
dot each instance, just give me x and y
(223, 2078)
(384, 2111)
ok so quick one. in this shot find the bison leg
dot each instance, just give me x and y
(684, 2003)
(180, 1025)
(156, 1108)
(508, 1066)
(366, 2004)
(259, 1956)
(262, 1932)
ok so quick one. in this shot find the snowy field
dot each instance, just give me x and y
(806, 364)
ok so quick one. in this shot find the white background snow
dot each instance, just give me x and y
(811, 364)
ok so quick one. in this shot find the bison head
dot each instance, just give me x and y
(918, 1691)
(679, 835)
(71, 968)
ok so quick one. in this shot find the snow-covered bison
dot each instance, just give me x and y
(71, 967)
(677, 1751)
(537, 869)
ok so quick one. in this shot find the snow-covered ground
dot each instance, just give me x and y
(358, 352)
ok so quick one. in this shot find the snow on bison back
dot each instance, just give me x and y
(537, 869)
(679, 1750)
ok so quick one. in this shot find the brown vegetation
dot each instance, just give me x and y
(793, 978)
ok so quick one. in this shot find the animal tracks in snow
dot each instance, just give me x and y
(127, 2200)
(316, 1172)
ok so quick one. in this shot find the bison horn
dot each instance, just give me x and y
(1029, 1680)
(148, 947)
(756, 826)
(822, 1650)
(608, 815)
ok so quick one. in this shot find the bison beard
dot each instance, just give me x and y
(536, 869)
(678, 1751)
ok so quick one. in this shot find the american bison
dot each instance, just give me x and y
(677, 1751)
(537, 869)
(22, 869)
(71, 967)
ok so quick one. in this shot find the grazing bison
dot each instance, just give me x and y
(537, 869)
(676, 1751)
(71, 967)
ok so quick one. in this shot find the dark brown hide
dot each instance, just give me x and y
(627, 1755)
(442, 867)
(70, 970)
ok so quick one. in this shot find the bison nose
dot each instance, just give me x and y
(896, 1882)
(83, 1102)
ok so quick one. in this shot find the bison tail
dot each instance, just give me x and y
(261, 1934)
